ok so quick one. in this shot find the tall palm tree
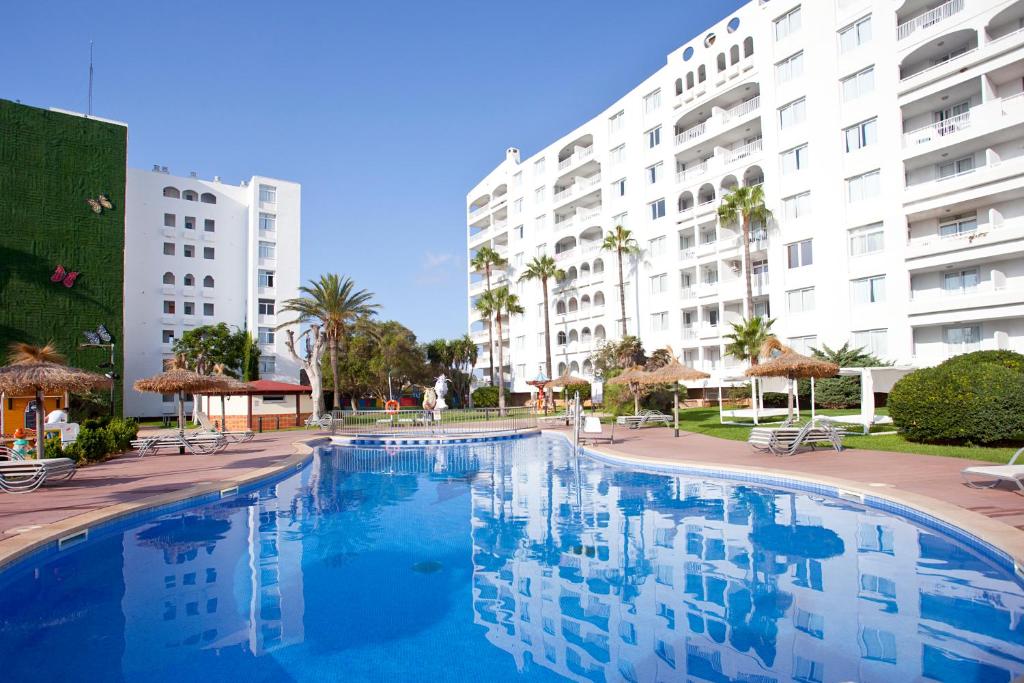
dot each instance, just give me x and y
(745, 205)
(505, 303)
(486, 306)
(748, 337)
(485, 261)
(334, 302)
(544, 268)
(620, 240)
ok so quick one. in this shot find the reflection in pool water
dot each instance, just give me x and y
(510, 561)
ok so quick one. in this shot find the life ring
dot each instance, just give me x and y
(391, 407)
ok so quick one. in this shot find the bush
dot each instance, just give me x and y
(122, 432)
(485, 397)
(1007, 359)
(570, 391)
(74, 451)
(95, 444)
(52, 447)
(961, 403)
(96, 422)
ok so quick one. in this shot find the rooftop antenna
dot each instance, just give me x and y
(90, 78)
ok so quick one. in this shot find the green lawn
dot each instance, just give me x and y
(705, 421)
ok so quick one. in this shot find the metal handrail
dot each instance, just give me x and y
(412, 422)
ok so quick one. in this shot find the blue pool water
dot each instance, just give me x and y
(511, 561)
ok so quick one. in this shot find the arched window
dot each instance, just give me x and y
(208, 281)
(598, 299)
(574, 305)
(210, 198)
(190, 195)
(588, 368)
(585, 302)
(598, 266)
(734, 54)
(560, 308)
(574, 337)
(172, 192)
(706, 194)
(570, 274)
(561, 368)
(702, 74)
(679, 86)
(574, 368)
(586, 335)
(689, 80)
(721, 61)
(585, 270)
(599, 333)
(748, 47)
(560, 338)
(190, 280)
(685, 201)
(168, 278)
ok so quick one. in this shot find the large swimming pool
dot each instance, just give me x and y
(514, 560)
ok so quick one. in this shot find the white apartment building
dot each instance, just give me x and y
(200, 252)
(889, 138)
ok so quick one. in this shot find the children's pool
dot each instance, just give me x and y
(513, 560)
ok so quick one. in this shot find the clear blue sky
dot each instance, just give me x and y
(386, 112)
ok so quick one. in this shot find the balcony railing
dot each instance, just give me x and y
(744, 151)
(929, 18)
(692, 133)
(476, 213)
(578, 156)
(692, 173)
(938, 129)
(743, 109)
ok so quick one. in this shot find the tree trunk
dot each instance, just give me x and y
(336, 402)
(622, 294)
(490, 331)
(40, 421)
(636, 401)
(501, 370)
(746, 267)
(547, 340)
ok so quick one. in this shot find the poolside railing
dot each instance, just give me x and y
(434, 423)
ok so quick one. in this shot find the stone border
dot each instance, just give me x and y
(1001, 537)
(19, 547)
(382, 441)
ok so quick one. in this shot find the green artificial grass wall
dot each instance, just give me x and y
(50, 163)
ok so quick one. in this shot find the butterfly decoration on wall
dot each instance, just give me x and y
(99, 203)
(100, 336)
(64, 277)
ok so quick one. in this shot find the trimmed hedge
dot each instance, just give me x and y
(485, 397)
(974, 399)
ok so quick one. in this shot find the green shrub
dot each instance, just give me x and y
(96, 422)
(52, 447)
(95, 444)
(74, 451)
(1007, 359)
(571, 390)
(960, 403)
(122, 431)
(485, 397)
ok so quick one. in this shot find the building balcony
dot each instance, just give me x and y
(478, 212)
(709, 331)
(691, 174)
(578, 157)
(581, 187)
(928, 20)
(985, 243)
(688, 254)
(986, 117)
(983, 296)
(749, 149)
(720, 120)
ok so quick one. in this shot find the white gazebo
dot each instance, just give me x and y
(759, 386)
(872, 380)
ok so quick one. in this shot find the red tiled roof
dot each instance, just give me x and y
(271, 387)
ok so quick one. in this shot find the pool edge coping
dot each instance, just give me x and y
(999, 535)
(20, 546)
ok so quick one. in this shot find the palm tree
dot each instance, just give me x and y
(621, 241)
(486, 306)
(544, 268)
(485, 260)
(745, 205)
(334, 302)
(505, 303)
(747, 338)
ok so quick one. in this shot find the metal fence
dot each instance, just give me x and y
(434, 423)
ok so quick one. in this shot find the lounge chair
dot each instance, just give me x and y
(21, 476)
(196, 444)
(555, 420)
(645, 417)
(994, 474)
(788, 440)
(209, 428)
(324, 421)
(593, 430)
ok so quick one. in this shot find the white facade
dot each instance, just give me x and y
(889, 137)
(200, 252)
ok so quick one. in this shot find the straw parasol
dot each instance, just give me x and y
(674, 373)
(39, 370)
(178, 380)
(785, 362)
(634, 377)
(230, 385)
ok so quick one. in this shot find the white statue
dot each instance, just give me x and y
(441, 389)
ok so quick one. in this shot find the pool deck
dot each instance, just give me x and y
(128, 483)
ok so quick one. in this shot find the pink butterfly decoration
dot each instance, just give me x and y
(65, 277)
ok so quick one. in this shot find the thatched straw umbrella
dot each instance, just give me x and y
(635, 378)
(785, 362)
(178, 380)
(39, 370)
(231, 386)
(565, 380)
(674, 373)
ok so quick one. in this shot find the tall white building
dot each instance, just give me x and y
(889, 138)
(200, 252)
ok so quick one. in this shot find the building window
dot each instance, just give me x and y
(800, 254)
(961, 225)
(517, 179)
(190, 195)
(960, 281)
(168, 398)
(268, 250)
(189, 251)
(619, 219)
(266, 307)
(794, 160)
(538, 166)
(266, 336)
(209, 225)
(189, 308)
(810, 623)
(538, 223)
(653, 173)
(266, 278)
(657, 209)
(168, 248)
(616, 122)
(874, 342)
(517, 206)
(170, 220)
(962, 338)
(804, 345)
(861, 187)
(787, 24)
(208, 282)
(861, 135)
(190, 280)
(207, 309)
(167, 336)
(268, 222)
(859, 84)
(619, 187)
(796, 206)
(855, 35)
(950, 169)
(869, 239)
(618, 154)
(656, 246)
(168, 278)
(652, 101)
(208, 253)
(868, 290)
(168, 308)
(800, 300)
(538, 195)
(190, 222)
(654, 137)
(659, 283)
(268, 365)
(268, 194)
(659, 321)
(877, 645)
(789, 68)
(793, 113)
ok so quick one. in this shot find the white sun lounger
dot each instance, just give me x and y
(788, 440)
(645, 416)
(21, 476)
(993, 474)
(209, 428)
(196, 444)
